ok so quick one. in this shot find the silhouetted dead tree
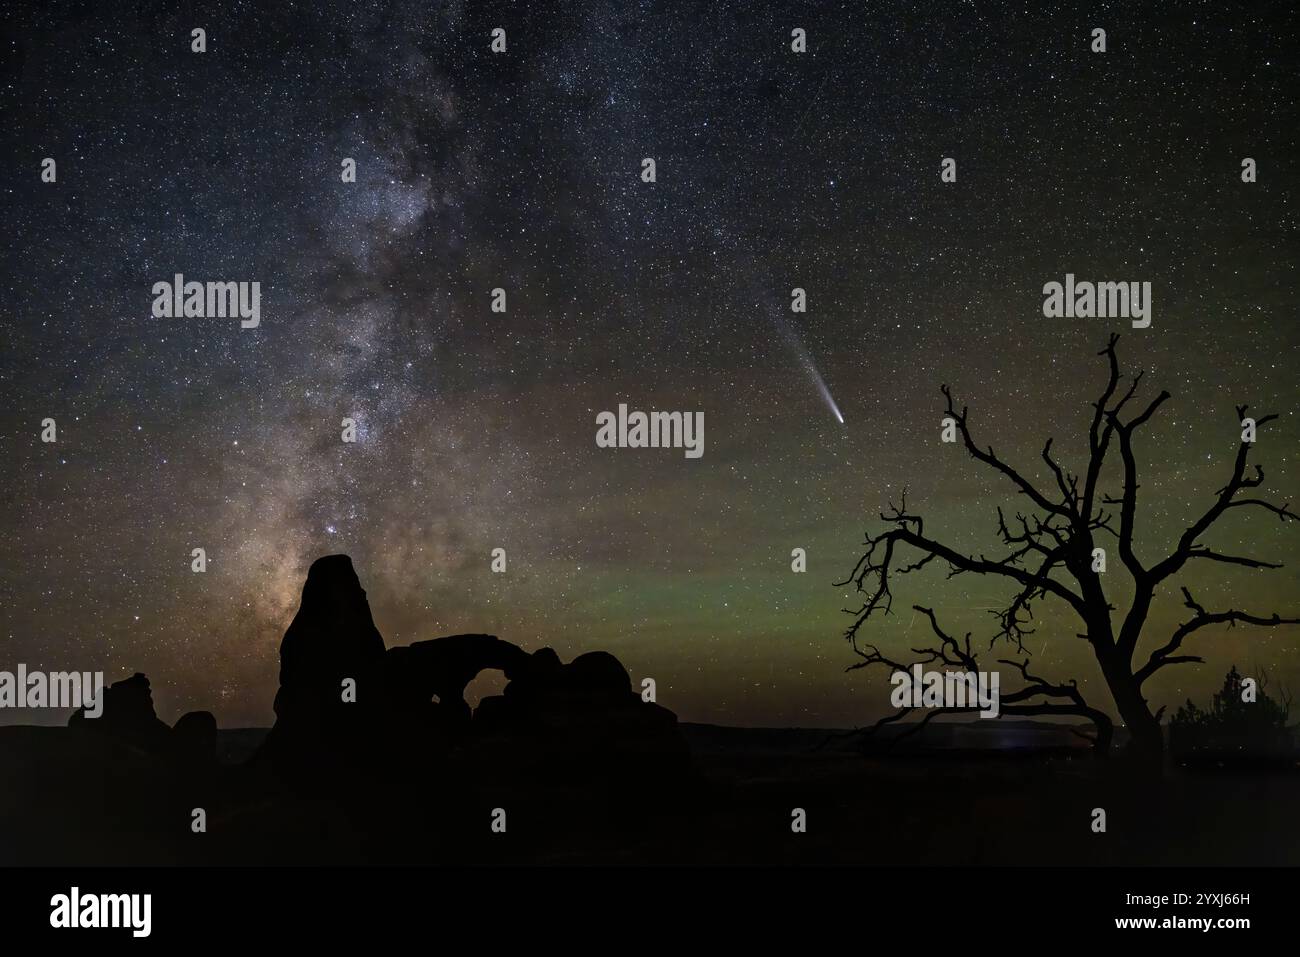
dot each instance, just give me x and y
(1050, 555)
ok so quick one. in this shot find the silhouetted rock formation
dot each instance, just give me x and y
(571, 724)
(194, 738)
(592, 683)
(584, 724)
(414, 675)
(128, 716)
(331, 638)
(394, 772)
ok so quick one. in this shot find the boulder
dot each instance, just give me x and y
(128, 716)
(194, 738)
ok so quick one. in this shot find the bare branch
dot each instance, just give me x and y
(1225, 499)
(1164, 655)
(877, 565)
(989, 457)
(1202, 552)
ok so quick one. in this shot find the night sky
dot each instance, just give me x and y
(476, 429)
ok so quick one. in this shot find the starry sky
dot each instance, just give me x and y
(476, 429)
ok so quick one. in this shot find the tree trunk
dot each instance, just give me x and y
(1146, 739)
(1105, 734)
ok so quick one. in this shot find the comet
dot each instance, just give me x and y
(805, 358)
(826, 392)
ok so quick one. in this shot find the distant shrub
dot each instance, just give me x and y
(1232, 724)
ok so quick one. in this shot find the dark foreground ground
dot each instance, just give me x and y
(67, 800)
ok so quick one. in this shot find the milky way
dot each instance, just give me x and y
(521, 171)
